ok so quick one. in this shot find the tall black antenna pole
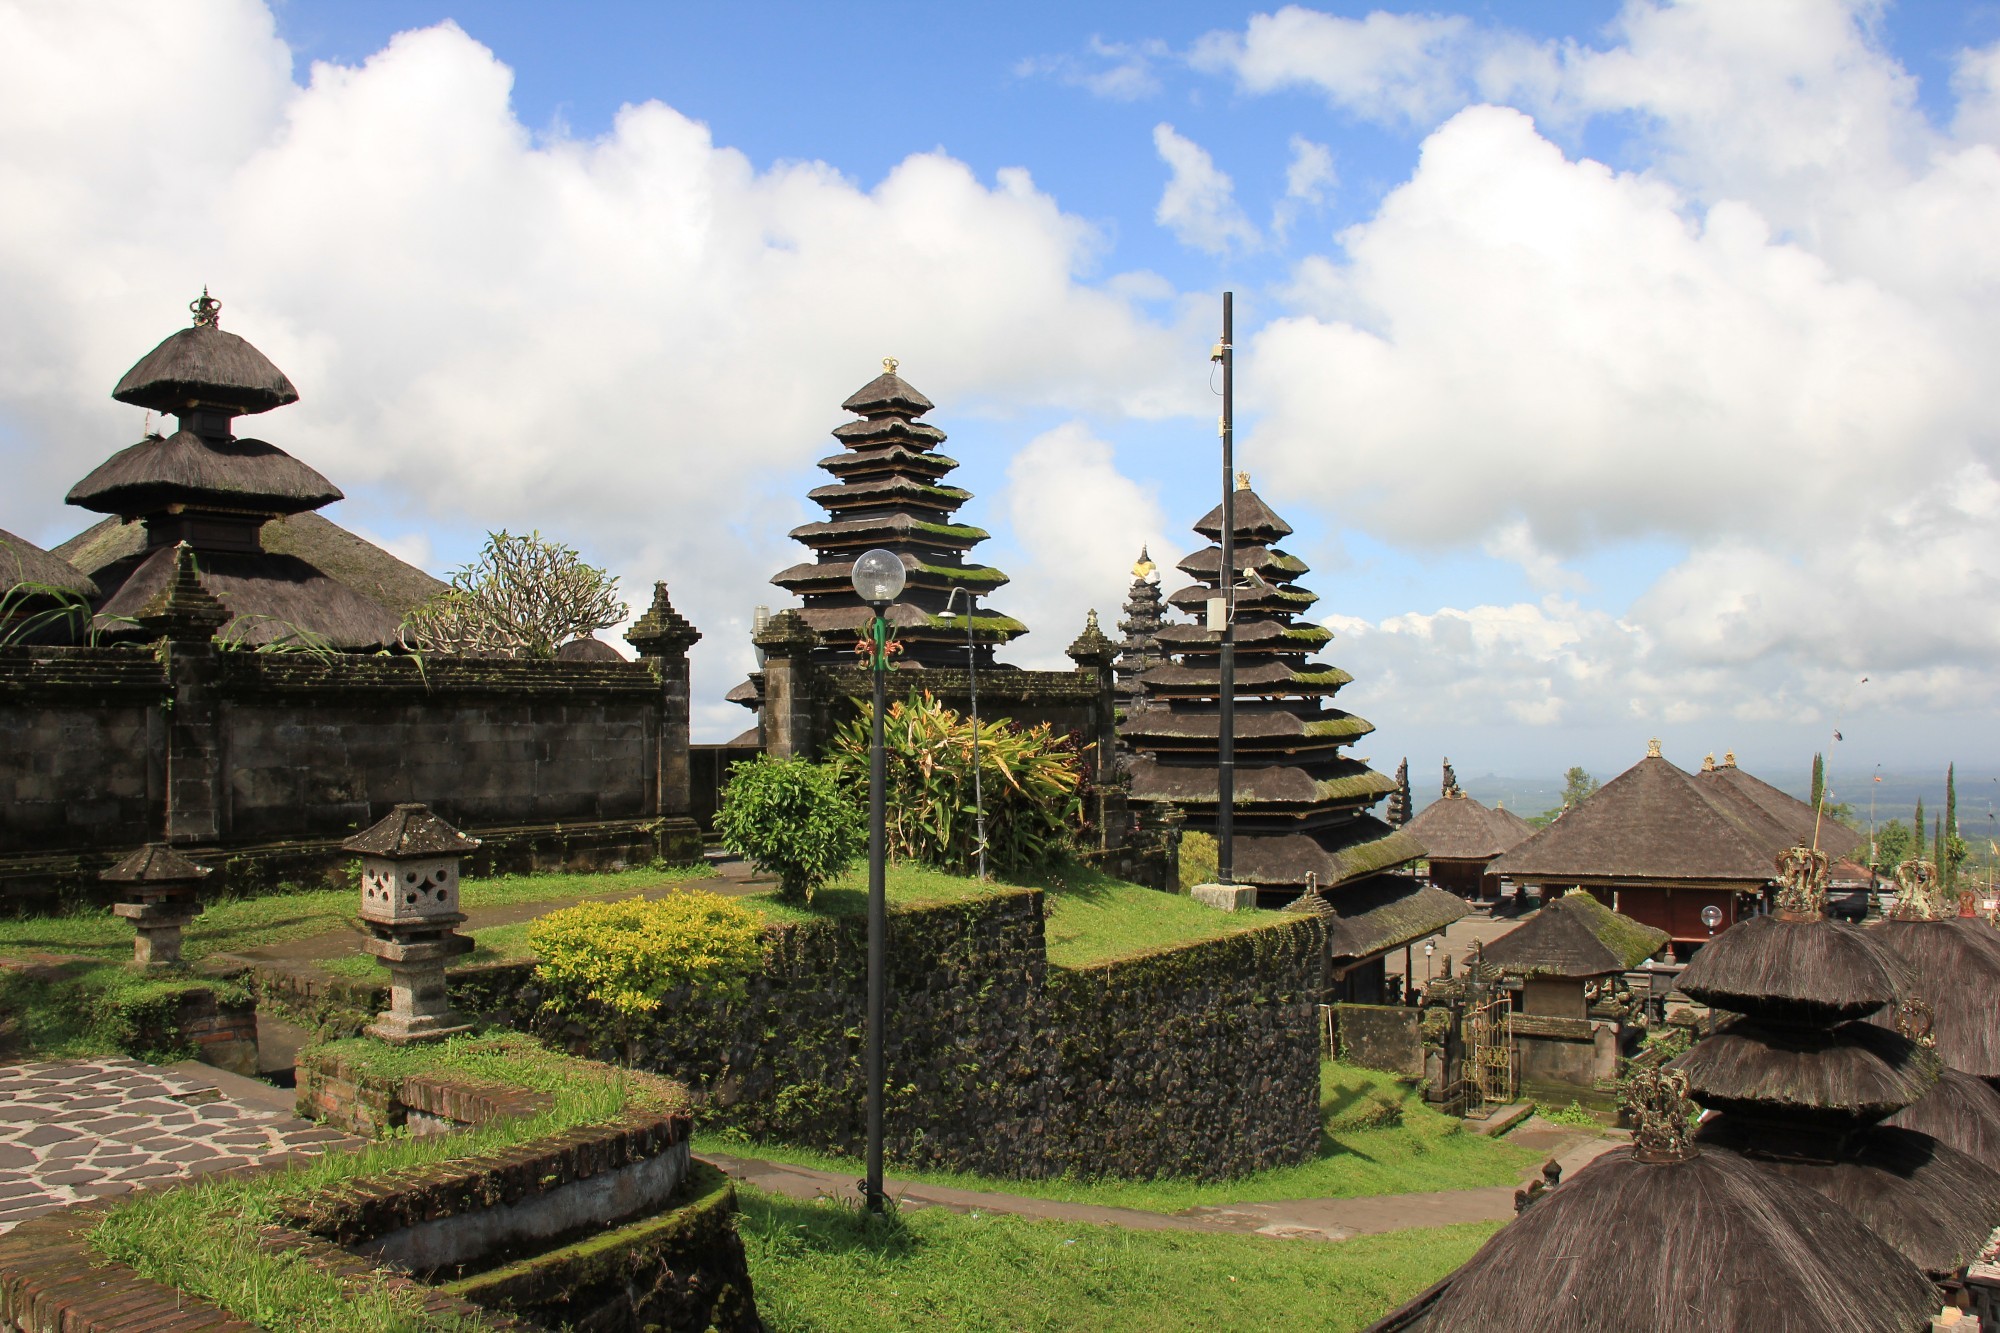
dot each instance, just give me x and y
(1225, 775)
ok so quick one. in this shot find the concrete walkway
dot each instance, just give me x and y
(1292, 1219)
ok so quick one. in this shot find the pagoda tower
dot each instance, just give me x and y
(889, 492)
(1138, 651)
(1302, 806)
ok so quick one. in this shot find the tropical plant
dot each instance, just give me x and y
(523, 597)
(792, 819)
(1032, 781)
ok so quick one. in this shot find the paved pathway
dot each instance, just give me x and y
(1301, 1219)
(82, 1129)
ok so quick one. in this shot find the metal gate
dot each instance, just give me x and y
(1492, 1073)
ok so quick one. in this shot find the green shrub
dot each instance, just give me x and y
(791, 819)
(1032, 781)
(1574, 1114)
(1199, 859)
(628, 955)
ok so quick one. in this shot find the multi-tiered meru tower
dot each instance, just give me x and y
(1302, 805)
(889, 491)
(1138, 653)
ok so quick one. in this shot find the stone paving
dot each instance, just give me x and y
(83, 1129)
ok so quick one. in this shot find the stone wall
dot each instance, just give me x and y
(258, 764)
(1378, 1036)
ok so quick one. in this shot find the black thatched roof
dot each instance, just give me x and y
(270, 598)
(1458, 828)
(1961, 1111)
(410, 831)
(21, 561)
(1815, 969)
(349, 560)
(887, 392)
(1574, 936)
(207, 365)
(1256, 522)
(1853, 1073)
(1335, 780)
(189, 469)
(1380, 914)
(1707, 1244)
(1931, 1203)
(156, 863)
(1796, 819)
(1652, 821)
(1955, 966)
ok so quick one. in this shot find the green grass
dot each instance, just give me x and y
(825, 1268)
(1376, 1137)
(201, 1237)
(235, 924)
(82, 1009)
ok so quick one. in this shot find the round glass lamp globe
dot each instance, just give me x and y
(878, 577)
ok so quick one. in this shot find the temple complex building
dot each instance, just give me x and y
(244, 506)
(1463, 836)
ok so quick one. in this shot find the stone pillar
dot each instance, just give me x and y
(409, 902)
(159, 903)
(662, 638)
(1094, 653)
(187, 617)
(786, 724)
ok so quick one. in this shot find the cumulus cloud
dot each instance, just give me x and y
(1391, 67)
(636, 342)
(1199, 202)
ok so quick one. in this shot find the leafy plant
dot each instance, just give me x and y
(627, 955)
(792, 819)
(1032, 785)
(1573, 1115)
(523, 597)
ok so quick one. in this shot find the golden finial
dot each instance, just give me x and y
(207, 310)
(1653, 748)
(1729, 759)
(889, 364)
(1708, 762)
(1144, 569)
(1243, 481)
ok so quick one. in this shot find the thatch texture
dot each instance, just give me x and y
(888, 392)
(1931, 1203)
(196, 470)
(21, 561)
(1826, 970)
(1256, 523)
(1459, 828)
(1961, 1111)
(1380, 914)
(271, 598)
(1796, 820)
(1856, 1072)
(1710, 1244)
(1955, 964)
(207, 365)
(1650, 822)
(1574, 936)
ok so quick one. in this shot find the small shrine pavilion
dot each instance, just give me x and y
(243, 506)
(889, 491)
(1303, 830)
(1463, 836)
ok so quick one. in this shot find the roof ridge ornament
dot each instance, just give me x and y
(1452, 791)
(1729, 759)
(1708, 762)
(1802, 881)
(1242, 481)
(889, 364)
(207, 310)
(1657, 1104)
(1653, 749)
(1916, 892)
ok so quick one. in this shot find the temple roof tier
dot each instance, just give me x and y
(1252, 724)
(887, 392)
(1268, 561)
(219, 472)
(1339, 780)
(874, 432)
(861, 533)
(1954, 966)
(204, 366)
(1256, 523)
(1458, 828)
(833, 576)
(1369, 918)
(21, 561)
(888, 490)
(1272, 635)
(893, 462)
(271, 599)
(1278, 599)
(1574, 936)
(1853, 1073)
(1270, 677)
(1807, 968)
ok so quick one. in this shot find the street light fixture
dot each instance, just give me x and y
(878, 581)
(972, 675)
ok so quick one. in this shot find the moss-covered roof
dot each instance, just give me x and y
(1574, 936)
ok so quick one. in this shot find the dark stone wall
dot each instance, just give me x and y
(79, 730)
(1386, 1037)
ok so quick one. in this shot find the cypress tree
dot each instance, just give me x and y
(1818, 778)
(1917, 832)
(1937, 844)
(1947, 871)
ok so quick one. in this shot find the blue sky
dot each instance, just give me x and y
(1624, 367)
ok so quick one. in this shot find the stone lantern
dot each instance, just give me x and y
(162, 900)
(409, 902)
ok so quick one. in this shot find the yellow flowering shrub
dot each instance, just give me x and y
(628, 955)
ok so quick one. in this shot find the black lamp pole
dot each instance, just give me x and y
(1225, 772)
(972, 680)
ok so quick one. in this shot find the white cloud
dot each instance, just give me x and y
(1389, 67)
(1082, 522)
(635, 342)
(1117, 71)
(1199, 202)
(1310, 175)
(1976, 81)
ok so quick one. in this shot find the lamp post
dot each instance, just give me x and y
(972, 677)
(1225, 753)
(878, 580)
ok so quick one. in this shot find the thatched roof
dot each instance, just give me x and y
(1856, 1072)
(1256, 522)
(1574, 936)
(205, 364)
(1815, 969)
(408, 831)
(1380, 914)
(1796, 819)
(1961, 1111)
(1458, 828)
(1700, 1245)
(270, 597)
(1933, 1204)
(213, 470)
(21, 561)
(887, 392)
(349, 560)
(1955, 966)
(1326, 780)
(1652, 821)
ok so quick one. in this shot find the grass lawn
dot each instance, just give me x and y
(1376, 1137)
(202, 1236)
(826, 1268)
